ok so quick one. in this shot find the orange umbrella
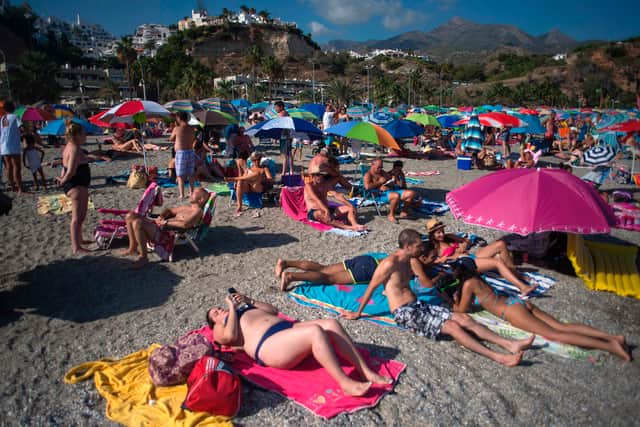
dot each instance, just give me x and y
(364, 131)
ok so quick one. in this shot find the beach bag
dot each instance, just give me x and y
(172, 364)
(213, 388)
(137, 178)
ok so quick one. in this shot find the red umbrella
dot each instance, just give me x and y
(525, 201)
(496, 120)
(528, 111)
(96, 120)
(126, 111)
(628, 126)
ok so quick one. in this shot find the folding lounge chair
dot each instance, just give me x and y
(172, 236)
(368, 195)
(115, 227)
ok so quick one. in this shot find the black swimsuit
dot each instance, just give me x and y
(82, 178)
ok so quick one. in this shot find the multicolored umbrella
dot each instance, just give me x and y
(31, 114)
(482, 202)
(183, 105)
(317, 109)
(211, 118)
(473, 136)
(357, 112)
(303, 114)
(61, 111)
(273, 128)
(96, 120)
(599, 155)
(448, 120)
(134, 111)
(58, 127)
(364, 131)
(403, 129)
(423, 119)
(219, 104)
(496, 120)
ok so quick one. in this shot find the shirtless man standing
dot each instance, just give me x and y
(429, 320)
(315, 197)
(183, 136)
(141, 229)
(378, 179)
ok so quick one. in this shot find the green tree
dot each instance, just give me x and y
(196, 82)
(252, 59)
(265, 15)
(274, 69)
(110, 92)
(224, 89)
(126, 54)
(34, 79)
(341, 91)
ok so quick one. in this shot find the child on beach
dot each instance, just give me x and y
(32, 157)
(397, 173)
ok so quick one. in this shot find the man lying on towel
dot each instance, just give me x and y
(359, 269)
(318, 209)
(255, 327)
(395, 272)
(140, 229)
(377, 178)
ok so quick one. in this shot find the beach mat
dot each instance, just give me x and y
(335, 298)
(56, 204)
(293, 205)
(132, 398)
(605, 266)
(310, 386)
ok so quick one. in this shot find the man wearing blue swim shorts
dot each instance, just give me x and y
(377, 179)
(394, 273)
(354, 270)
(183, 137)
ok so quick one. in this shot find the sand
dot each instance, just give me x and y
(58, 310)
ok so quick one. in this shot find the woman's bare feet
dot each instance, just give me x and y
(528, 290)
(280, 266)
(128, 252)
(378, 379)
(510, 360)
(355, 388)
(517, 346)
(285, 279)
(393, 219)
(80, 250)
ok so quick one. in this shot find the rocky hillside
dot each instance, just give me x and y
(461, 36)
(232, 42)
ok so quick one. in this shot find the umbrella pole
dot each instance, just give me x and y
(144, 154)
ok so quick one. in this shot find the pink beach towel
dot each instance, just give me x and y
(310, 386)
(292, 202)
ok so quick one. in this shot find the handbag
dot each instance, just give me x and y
(137, 178)
(213, 388)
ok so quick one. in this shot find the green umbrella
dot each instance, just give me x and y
(299, 113)
(423, 119)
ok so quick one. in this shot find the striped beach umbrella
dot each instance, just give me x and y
(364, 131)
(134, 111)
(473, 137)
(357, 112)
(599, 155)
(219, 104)
(380, 118)
(273, 128)
(183, 105)
(61, 111)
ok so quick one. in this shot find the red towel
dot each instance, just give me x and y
(292, 202)
(310, 386)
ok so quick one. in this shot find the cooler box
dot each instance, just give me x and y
(464, 163)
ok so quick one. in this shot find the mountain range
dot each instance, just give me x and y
(460, 35)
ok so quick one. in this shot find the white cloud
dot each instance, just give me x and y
(402, 19)
(344, 12)
(319, 29)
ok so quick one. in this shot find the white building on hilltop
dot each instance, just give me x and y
(149, 37)
(92, 39)
(199, 18)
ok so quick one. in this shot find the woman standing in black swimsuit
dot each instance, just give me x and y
(75, 180)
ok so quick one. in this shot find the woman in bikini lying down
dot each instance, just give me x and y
(526, 316)
(255, 327)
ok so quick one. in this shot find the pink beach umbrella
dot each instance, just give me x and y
(525, 201)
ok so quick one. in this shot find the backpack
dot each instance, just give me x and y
(213, 388)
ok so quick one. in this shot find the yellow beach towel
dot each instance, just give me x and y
(605, 266)
(133, 400)
(57, 204)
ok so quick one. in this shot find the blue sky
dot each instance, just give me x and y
(372, 19)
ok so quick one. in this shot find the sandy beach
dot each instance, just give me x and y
(58, 310)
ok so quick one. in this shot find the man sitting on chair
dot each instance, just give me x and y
(378, 179)
(140, 229)
(318, 209)
(257, 179)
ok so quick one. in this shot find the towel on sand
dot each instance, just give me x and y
(56, 204)
(133, 400)
(310, 386)
(293, 205)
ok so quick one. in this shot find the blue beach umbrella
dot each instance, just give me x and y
(241, 103)
(473, 136)
(403, 129)
(357, 112)
(448, 120)
(533, 122)
(273, 128)
(380, 118)
(317, 109)
(58, 127)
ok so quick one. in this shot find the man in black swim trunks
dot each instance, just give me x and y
(354, 270)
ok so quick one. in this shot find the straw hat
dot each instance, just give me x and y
(433, 225)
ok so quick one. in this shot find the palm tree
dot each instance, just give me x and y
(264, 15)
(110, 92)
(252, 59)
(34, 78)
(196, 81)
(273, 68)
(342, 91)
(126, 54)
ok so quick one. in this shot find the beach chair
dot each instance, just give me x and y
(368, 195)
(114, 227)
(170, 237)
